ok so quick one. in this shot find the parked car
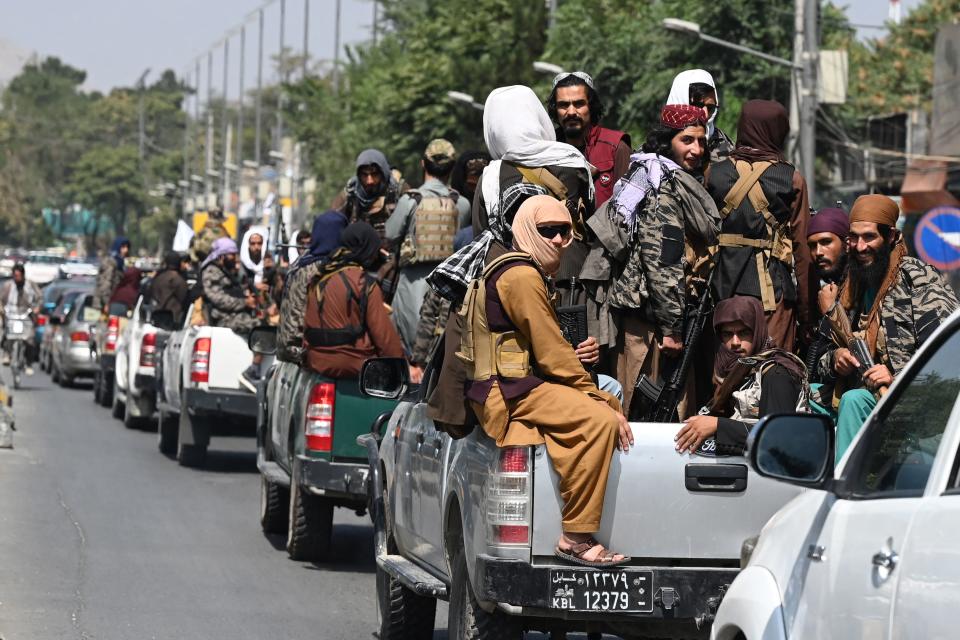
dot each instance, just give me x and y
(468, 521)
(135, 382)
(79, 268)
(869, 550)
(65, 302)
(51, 297)
(42, 267)
(200, 393)
(71, 355)
(308, 455)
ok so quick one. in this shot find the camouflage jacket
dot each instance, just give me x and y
(917, 303)
(224, 299)
(677, 229)
(433, 319)
(108, 277)
(293, 310)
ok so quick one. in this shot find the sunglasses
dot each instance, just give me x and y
(711, 108)
(552, 231)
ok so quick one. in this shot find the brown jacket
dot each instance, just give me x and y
(342, 310)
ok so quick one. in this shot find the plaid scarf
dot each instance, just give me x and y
(647, 172)
(451, 277)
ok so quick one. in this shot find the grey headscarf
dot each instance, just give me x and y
(378, 159)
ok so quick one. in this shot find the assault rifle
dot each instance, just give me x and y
(655, 401)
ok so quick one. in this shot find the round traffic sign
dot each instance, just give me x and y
(937, 238)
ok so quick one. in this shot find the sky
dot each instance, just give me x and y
(114, 41)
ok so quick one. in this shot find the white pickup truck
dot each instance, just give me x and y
(466, 521)
(199, 389)
(870, 549)
(135, 382)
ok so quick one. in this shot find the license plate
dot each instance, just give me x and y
(16, 326)
(623, 591)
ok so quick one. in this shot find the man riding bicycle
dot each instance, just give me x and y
(18, 297)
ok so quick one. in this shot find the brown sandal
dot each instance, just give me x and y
(575, 555)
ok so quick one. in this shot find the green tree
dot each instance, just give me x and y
(106, 180)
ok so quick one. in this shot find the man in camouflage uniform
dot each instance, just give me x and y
(892, 301)
(213, 230)
(324, 240)
(421, 231)
(229, 303)
(110, 272)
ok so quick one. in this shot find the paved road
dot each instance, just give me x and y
(102, 537)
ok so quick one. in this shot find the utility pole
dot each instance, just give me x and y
(306, 36)
(376, 19)
(187, 186)
(336, 50)
(207, 181)
(239, 154)
(278, 142)
(196, 123)
(258, 107)
(809, 98)
(224, 161)
(141, 124)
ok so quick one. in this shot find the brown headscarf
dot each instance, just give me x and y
(762, 131)
(878, 209)
(537, 210)
(749, 311)
(128, 289)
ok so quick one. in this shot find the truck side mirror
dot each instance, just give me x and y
(263, 340)
(163, 319)
(795, 448)
(384, 378)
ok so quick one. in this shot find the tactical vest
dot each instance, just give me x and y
(746, 401)
(436, 219)
(601, 151)
(484, 352)
(317, 336)
(755, 228)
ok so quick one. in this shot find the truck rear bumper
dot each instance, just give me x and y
(345, 481)
(235, 403)
(676, 593)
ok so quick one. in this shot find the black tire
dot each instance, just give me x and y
(54, 375)
(129, 420)
(117, 408)
(96, 388)
(191, 455)
(274, 507)
(168, 434)
(311, 525)
(106, 390)
(466, 620)
(64, 380)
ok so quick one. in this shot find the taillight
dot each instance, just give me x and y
(318, 426)
(41, 320)
(200, 361)
(79, 336)
(148, 350)
(508, 498)
(113, 332)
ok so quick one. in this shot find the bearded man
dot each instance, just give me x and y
(827, 241)
(893, 302)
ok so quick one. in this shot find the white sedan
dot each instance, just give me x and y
(870, 551)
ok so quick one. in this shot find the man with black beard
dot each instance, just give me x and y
(827, 241)
(892, 301)
(575, 106)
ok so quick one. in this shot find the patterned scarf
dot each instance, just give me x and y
(647, 172)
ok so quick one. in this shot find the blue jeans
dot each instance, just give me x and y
(611, 386)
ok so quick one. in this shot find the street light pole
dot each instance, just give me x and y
(225, 160)
(258, 106)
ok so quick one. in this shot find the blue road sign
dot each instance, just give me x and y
(937, 238)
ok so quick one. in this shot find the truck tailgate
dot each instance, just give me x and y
(660, 504)
(229, 356)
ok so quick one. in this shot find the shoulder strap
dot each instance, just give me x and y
(505, 258)
(743, 185)
(541, 176)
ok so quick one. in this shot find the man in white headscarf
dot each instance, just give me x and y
(253, 251)
(696, 87)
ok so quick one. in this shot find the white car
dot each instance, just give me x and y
(870, 551)
(135, 382)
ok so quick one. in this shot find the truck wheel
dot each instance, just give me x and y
(403, 614)
(466, 620)
(274, 507)
(129, 420)
(167, 432)
(106, 390)
(117, 408)
(191, 455)
(64, 380)
(54, 375)
(311, 524)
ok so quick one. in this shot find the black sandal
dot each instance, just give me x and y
(575, 555)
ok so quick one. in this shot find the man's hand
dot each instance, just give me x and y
(877, 376)
(694, 431)
(826, 297)
(416, 374)
(589, 351)
(671, 346)
(844, 363)
(625, 437)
